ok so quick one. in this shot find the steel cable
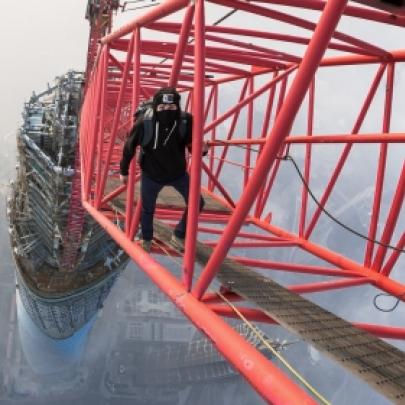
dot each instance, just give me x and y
(317, 202)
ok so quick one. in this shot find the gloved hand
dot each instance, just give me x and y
(205, 148)
(123, 179)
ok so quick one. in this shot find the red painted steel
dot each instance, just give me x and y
(306, 71)
(388, 332)
(381, 168)
(226, 73)
(273, 385)
(346, 151)
(198, 125)
(392, 219)
(394, 256)
(184, 35)
(135, 101)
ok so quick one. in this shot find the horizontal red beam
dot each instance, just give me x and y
(300, 22)
(394, 56)
(242, 32)
(164, 9)
(250, 244)
(257, 369)
(384, 283)
(250, 235)
(350, 10)
(299, 289)
(296, 268)
(328, 285)
(114, 194)
(338, 138)
(388, 332)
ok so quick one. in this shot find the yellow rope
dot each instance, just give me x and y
(275, 352)
(259, 334)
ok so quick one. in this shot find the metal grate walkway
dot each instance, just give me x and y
(373, 360)
(376, 362)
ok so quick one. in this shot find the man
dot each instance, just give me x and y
(163, 133)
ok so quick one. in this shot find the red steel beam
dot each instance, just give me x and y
(134, 103)
(249, 235)
(393, 287)
(368, 14)
(359, 138)
(346, 151)
(267, 380)
(196, 160)
(115, 123)
(250, 244)
(276, 36)
(265, 190)
(308, 157)
(254, 315)
(302, 80)
(164, 9)
(122, 92)
(231, 129)
(265, 128)
(300, 22)
(248, 99)
(249, 132)
(391, 221)
(379, 182)
(386, 270)
(296, 268)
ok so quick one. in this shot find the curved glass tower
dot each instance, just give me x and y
(57, 301)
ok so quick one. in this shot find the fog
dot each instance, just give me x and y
(43, 39)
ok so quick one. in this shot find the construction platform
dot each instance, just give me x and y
(373, 360)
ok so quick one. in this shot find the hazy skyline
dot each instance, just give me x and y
(45, 38)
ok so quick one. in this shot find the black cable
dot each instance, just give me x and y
(334, 219)
(217, 22)
(124, 9)
(223, 18)
(291, 159)
(387, 295)
(140, 7)
(288, 157)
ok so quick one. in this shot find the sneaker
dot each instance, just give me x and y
(177, 243)
(146, 245)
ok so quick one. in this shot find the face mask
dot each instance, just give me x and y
(166, 117)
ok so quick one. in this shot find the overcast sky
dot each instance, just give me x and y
(41, 39)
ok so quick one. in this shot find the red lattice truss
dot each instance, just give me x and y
(204, 61)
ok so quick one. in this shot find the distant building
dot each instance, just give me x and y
(59, 300)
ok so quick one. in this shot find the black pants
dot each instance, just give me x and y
(149, 193)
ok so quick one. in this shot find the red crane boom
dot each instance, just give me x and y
(226, 74)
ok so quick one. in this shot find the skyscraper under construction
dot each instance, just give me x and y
(59, 298)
